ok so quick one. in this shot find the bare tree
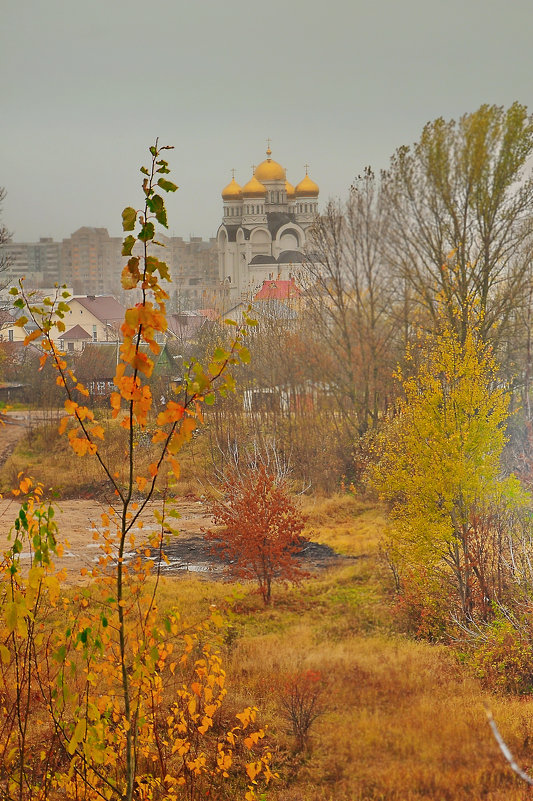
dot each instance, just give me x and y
(460, 230)
(5, 236)
(350, 298)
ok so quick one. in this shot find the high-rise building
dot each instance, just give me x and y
(263, 231)
(38, 262)
(91, 261)
(193, 266)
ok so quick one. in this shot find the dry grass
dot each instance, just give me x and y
(347, 525)
(403, 720)
(44, 454)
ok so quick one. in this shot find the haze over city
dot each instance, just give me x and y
(87, 88)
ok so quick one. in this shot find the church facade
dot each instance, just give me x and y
(263, 232)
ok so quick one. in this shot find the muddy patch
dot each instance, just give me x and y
(194, 555)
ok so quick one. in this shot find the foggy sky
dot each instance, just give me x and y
(87, 86)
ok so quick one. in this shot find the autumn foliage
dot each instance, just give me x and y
(260, 534)
(454, 516)
(101, 695)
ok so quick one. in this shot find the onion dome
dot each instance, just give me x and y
(232, 191)
(270, 170)
(253, 188)
(290, 190)
(307, 187)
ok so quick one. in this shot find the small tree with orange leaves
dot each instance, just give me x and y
(102, 696)
(261, 534)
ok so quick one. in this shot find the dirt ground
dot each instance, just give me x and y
(80, 519)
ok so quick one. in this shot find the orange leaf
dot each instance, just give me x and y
(80, 387)
(97, 431)
(176, 469)
(25, 485)
(70, 406)
(34, 335)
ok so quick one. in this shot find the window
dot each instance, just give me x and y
(70, 346)
(10, 335)
(95, 334)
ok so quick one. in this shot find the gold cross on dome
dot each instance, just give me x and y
(233, 173)
(306, 168)
(253, 167)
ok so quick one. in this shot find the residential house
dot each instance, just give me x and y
(98, 316)
(75, 339)
(9, 330)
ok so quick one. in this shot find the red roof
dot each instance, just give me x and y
(278, 290)
(209, 314)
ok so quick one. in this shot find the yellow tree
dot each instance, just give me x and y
(440, 472)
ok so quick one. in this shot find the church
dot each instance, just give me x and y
(263, 231)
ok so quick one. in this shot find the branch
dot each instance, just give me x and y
(505, 750)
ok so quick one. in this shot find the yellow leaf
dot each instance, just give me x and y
(77, 737)
(54, 588)
(35, 575)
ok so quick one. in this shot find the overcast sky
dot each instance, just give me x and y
(87, 86)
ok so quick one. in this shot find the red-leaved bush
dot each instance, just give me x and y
(261, 534)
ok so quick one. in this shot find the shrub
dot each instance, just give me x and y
(262, 529)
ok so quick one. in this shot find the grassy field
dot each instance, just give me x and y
(401, 719)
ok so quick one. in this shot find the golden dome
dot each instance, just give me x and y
(269, 170)
(307, 187)
(232, 191)
(253, 188)
(290, 190)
